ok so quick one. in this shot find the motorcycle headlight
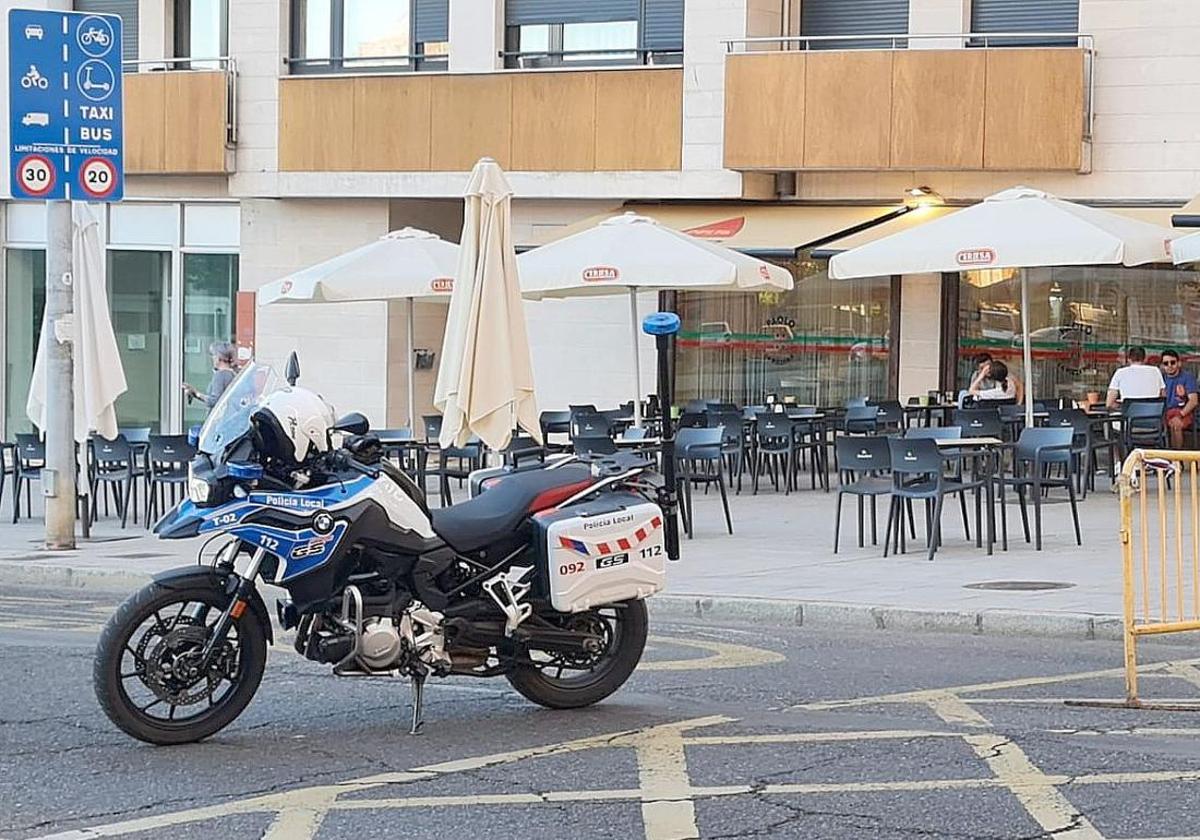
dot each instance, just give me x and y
(198, 489)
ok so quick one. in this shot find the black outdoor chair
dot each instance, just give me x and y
(592, 434)
(1081, 442)
(979, 422)
(1142, 426)
(733, 444)
(774, 449)
(168, 458)
(457, 462)
(692, 420)
(861, 420)
(919, 473)
(1034, 454)
(890, 416)
(695, 406)
(700, 461)
(8, 466)
(864, 470)
(555, 423)
(30, 458)
(114, 465)
(810, 442)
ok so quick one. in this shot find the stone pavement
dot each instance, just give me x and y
(778, 566)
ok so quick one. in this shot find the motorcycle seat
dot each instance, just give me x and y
(505, 502)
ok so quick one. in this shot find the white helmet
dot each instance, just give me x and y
(294, 423)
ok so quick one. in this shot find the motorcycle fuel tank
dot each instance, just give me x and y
(600, 552)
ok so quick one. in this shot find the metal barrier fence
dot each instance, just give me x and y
(1160, 549)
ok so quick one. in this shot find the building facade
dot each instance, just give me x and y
(265, 135)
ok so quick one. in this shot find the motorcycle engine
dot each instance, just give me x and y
(379, 646)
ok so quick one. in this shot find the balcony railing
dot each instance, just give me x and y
(967, 101)
(368, 64)
(615, 57)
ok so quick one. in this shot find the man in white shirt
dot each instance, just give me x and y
(1136, 381)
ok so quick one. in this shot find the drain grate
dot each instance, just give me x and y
(1019, 585)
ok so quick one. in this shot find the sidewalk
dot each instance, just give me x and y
(778, 567)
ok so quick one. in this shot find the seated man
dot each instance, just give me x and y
(1181, 397)
(1136, 381)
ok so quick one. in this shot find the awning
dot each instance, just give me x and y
(915, 216)
(763, 230)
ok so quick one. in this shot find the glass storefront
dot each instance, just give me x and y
(210, 283)
(821, 343)
(1081, 319)
(25, 302)
(137, 289)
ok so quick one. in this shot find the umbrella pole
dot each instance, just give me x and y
(1027, 348)
(408, 369)
(637, 364)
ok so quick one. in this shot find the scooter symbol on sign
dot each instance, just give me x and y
(89, 85)
(34, 79)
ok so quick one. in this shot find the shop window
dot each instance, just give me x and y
(201, 32)
(1081, 319)
(594, 33)
(357, 36)
(25, 302)
(210, 284)
(819, 344)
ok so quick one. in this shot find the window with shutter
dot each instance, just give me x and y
(544, 33)
(1025, 16)
(830, 18)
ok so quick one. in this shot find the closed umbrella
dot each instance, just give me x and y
(99, 376)
(1016, 228)
(407, 264)
(485, 378)
(1186, 249)
(631, 253)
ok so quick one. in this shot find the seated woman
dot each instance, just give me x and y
(996, 384)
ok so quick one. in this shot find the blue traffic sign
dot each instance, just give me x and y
(65, 106)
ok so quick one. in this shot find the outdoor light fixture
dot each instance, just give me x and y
(922, 197)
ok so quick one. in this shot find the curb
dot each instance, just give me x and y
(831, 615)
(765, 612)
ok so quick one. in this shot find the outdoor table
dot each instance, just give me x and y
(982, 449)
(927, 412)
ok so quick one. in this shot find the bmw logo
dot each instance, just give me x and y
(323, 522)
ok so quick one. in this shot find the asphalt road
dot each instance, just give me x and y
(725, 732)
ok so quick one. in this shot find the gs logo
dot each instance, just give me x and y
(323, 522)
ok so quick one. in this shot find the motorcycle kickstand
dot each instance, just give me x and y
(418, 701)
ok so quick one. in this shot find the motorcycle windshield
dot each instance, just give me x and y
(230, 417)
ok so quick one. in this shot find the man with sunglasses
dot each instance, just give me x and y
(1181, 394)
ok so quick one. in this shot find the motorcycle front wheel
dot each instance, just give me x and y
(574, 680)
(147, 674)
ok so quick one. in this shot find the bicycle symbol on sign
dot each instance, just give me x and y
(94, 35)
(34, 79)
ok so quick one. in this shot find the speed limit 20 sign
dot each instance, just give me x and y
(65, 119)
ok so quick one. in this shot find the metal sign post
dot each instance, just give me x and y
(66, 142)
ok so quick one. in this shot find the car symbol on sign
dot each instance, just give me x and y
(36, 118)
(34, 31)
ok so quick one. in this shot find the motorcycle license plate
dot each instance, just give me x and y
(604, 557)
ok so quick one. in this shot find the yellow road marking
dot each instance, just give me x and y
(953, 709)
(722, 655)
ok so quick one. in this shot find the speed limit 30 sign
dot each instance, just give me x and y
(35, 174)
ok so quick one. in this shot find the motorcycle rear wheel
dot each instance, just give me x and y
(174, 624)
(627, 624)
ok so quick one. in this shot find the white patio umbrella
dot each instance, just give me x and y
(485, 379)
(630, 253)
(1016, 228)
(1186, 249)
(99, 376)
(407, 264)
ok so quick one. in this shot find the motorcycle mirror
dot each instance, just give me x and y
(353, 424)
(292, 373)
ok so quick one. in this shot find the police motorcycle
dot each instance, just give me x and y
(540, 578)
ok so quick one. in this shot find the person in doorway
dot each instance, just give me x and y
(1136, 381)
(995, 383)
(224, 371)
(981, 378)
(1182, 397)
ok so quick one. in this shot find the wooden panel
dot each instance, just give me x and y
(639, 120)
(848, 104)
(764, 111)
(195, 122)
(937, 109)
(472, 118)
(554, 122)
(391, 129)
(1034, 109)
(145, 122)
(315, 116)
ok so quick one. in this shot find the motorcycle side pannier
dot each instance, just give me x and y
(602, 551)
